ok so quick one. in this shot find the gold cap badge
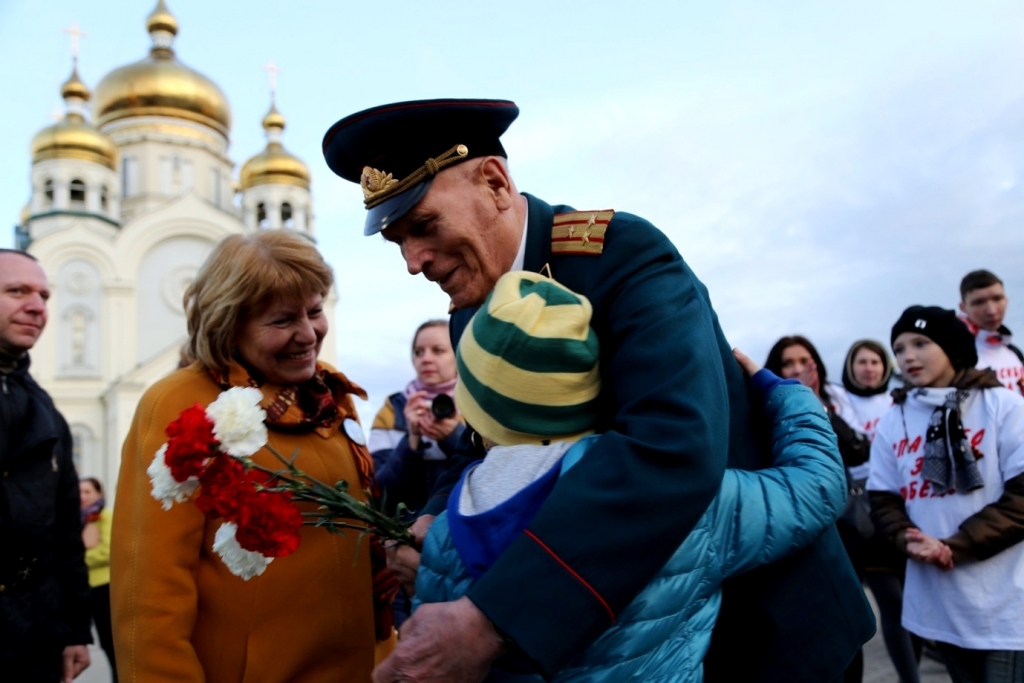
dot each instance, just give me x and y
(379, 186)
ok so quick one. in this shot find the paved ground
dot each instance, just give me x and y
(877, 667)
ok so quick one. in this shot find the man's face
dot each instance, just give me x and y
(456, 236)
(986, 307)
(23, 295)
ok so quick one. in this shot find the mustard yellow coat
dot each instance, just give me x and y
(180, 615)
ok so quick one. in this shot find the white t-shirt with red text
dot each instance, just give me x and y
(994, 352)
(976, 605)
(863, 414)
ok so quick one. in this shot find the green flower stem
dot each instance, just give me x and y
(335, 503)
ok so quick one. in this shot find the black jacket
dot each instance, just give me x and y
(44, 585)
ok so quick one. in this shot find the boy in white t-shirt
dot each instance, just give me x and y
(947, 485)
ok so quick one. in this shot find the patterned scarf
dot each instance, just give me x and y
(432, 390)
(320, 405)
(92, 513)
(949, 459)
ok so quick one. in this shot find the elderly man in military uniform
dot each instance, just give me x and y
(674, 411)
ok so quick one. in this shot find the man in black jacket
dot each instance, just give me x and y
(44, 587)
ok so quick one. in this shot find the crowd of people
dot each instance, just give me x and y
(599, 487)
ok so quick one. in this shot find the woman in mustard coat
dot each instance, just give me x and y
(255, 318)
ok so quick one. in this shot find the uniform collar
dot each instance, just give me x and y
(539, 218)
(521, 256)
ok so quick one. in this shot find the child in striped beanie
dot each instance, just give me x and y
(529, 379)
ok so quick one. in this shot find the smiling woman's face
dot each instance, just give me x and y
(282, 341)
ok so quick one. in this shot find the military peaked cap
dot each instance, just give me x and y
(395, 150)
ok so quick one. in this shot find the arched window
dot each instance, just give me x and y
(48, 192)
(261, 216)
(103, 199)
(287, 220)
(77, 194)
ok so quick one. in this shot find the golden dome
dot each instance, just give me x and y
(274, 165)
(273, 119)
(74, 87)
(160, 85)
(73, 137)
(160, 19)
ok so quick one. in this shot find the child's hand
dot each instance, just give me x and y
(924, 548)
(749, 366)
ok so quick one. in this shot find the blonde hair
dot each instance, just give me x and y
(241, 276)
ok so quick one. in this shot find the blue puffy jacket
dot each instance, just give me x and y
(756, 518)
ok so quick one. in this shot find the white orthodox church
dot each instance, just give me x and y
(126, 204)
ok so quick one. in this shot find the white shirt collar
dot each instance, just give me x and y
(521, 256)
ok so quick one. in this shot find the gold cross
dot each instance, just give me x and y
(75, 33)
(272, 71)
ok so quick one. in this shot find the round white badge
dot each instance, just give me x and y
(354, 431)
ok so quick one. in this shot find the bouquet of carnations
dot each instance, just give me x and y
(211, 449)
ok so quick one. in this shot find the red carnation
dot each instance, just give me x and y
(190, 443)
(224, 487)
(269, 524)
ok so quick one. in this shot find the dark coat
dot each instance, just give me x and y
(44, 585)
(674, 410)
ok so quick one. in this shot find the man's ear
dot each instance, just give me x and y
(963, 309)
(494, 175)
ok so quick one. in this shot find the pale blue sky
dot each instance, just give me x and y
(820, 165)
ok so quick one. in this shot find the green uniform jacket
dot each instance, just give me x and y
(673, 411)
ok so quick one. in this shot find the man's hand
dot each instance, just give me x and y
(924, 548)
(446, 642)
(76, 660)
(404, 560)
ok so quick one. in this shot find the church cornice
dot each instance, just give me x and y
(169, 132)
(75, 214)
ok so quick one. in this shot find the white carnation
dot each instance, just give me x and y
(239, 561)
(238, 421)
(166, 488)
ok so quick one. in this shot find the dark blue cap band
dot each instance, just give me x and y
(390, 210)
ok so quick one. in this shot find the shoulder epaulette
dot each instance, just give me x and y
(580, 232)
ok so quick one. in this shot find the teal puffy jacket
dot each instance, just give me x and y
(756, 518)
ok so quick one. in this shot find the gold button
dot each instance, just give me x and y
(462, 150)
(2, 588)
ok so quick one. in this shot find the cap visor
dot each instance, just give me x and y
(390, 210)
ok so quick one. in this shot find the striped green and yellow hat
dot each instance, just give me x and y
(529, 363)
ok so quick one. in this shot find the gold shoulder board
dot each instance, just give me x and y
(580, 232)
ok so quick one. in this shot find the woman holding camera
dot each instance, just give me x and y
(418, 428)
